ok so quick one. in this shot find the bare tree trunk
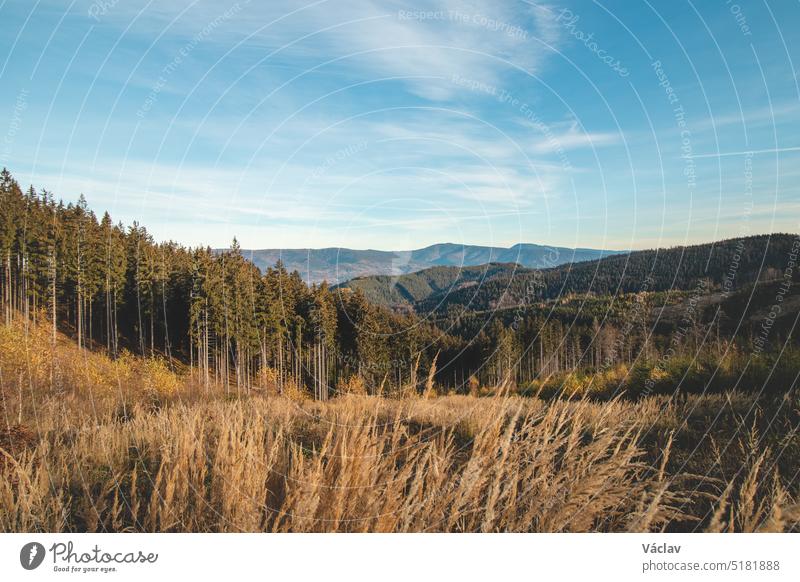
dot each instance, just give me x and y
(7, 289)
(152, 323)
(280, 363)
(53, 297)
(116, 330)
(108, 315)
(91, 336)
(139, 315)
(80, 315)
(205, 346)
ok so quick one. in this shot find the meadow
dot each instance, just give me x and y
(88, 443)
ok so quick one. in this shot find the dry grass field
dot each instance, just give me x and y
(90, 444)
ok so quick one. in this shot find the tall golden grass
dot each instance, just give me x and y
(90, 444)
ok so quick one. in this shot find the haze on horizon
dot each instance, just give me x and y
(394, 126)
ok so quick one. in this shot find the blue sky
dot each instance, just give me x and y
(395, 125)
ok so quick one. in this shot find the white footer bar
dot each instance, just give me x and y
(401, 557)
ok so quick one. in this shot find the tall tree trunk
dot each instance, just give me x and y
(108, 316)
(115, 317)
(152, 323)
(280, 363)
(53, 297)
(139, 312)
(205, 347)
(80, 315)
(7, 289)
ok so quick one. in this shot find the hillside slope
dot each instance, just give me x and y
(416, 288)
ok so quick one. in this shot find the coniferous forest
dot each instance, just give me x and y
(147, 386)
(114, 288)
(111, 287)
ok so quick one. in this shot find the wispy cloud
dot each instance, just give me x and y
(294, 123)
(367, 38)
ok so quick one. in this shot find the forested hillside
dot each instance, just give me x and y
(113, 288)
(722, 266)
(415, 288)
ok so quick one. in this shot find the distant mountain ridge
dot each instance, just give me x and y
(723, 265)
(336, 265)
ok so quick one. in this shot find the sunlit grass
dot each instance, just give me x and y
(91, 444)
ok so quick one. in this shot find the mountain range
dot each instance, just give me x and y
(336, 265)
(720, 267)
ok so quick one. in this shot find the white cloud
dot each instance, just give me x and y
(420, 41)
